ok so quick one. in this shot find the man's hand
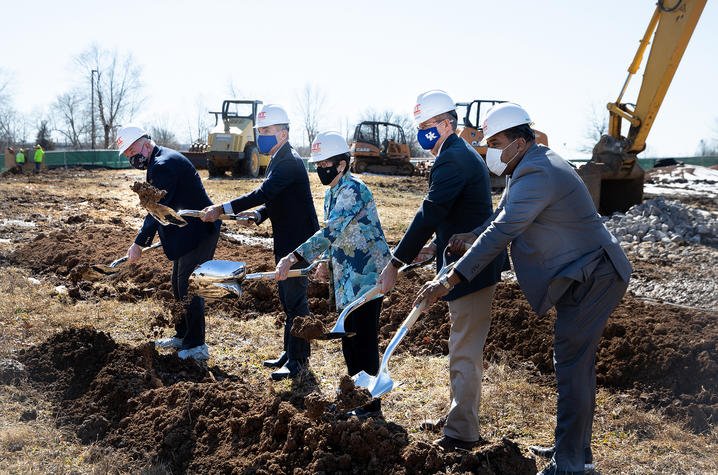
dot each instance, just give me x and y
(212, 213)
(387, 279)
(431, 291)
(322, 273)
(427, 252)
(252, 218)
(284, 265)
(460, 243)
(134, 253)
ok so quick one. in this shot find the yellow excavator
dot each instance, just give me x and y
(613, 175)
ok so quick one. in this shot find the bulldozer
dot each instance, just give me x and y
(470, 114)
(612, 175)
(380, 147)
(231, 143)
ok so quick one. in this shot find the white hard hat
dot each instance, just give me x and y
(271, 114)
(502, 117)
(432, 103)
(128, 135)
(326, 145)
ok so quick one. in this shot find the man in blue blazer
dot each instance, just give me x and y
(458, 200)
(563, 256)
(284, 198)
(187, 246)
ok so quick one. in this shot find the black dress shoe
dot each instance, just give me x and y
(276, 363)
(433, 425)
(291, 369)
(547, 452)
(370, 409)
(451, 444)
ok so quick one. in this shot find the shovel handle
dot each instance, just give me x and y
(122, 260)
(292, 273)
(198, 213)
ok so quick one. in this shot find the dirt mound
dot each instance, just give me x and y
(309, 327)
(68, 255)
(160, 410)
(666, 354)
(92, 378)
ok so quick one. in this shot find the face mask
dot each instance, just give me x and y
(265, 143)
(427, 137)
(328, 174)
(493, 159)
(139, 161)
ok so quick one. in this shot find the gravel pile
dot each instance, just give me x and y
(661, 220)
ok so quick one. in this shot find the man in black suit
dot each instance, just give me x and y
(186, 246)
(286, 199)
(459, 197)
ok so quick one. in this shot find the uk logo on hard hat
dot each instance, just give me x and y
(119, 141)
(262, 115)
(417, 110)
(316, 147)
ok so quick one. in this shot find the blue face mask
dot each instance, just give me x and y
(427, 137)
(265, 143)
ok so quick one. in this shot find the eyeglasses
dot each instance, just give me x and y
(433, 124)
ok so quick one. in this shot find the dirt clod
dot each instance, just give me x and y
(308, 327)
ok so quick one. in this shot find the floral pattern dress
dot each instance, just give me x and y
(352, 238)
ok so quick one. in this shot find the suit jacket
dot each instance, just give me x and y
(556, 235)
(169, 170)
(286, 199)
(459, 200)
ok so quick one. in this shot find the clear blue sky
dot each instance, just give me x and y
(556, 58)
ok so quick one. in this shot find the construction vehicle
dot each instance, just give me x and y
(613, 175)
(231, 144)
(469, 114)
(380, 147)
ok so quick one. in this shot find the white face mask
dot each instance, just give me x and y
(493, 159)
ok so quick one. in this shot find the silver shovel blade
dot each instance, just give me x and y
(217, 279)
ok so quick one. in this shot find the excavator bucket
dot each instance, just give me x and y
(613, 177)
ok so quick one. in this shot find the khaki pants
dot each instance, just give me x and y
(470, 322)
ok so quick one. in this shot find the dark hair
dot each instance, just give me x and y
(451, 116)
(523, 131)
(342, 156)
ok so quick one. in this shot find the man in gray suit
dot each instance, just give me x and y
(563, 256)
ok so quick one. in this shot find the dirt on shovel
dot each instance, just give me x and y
(308, 327)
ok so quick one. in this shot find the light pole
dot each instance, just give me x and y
(92, 103)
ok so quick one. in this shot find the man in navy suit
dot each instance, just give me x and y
(284, 198)
(186, 246)
(459, 197)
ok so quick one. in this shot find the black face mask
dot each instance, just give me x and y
(138, 161)
(327, 174)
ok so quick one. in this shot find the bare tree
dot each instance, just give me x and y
(199, 131)
(164, 136)
(311, 106)
(117, 89)
(8, 119)
(71, 118)
(596, 127)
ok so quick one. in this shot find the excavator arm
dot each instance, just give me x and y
(613, 175)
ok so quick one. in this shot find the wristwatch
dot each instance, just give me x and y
(444, 280)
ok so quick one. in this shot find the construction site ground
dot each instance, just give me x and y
(83, 390)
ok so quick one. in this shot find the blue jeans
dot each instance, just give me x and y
(191, 327)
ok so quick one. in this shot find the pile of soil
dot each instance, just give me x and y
(147, 193)
(309, 327)
(162, 411)
(666, 354)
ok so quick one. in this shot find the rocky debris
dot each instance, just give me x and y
(662, 220)
(682, 180)
(11, 371)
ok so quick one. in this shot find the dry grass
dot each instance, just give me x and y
(626, 439)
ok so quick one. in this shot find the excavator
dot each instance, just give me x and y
(613, 175)
(380, 147)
